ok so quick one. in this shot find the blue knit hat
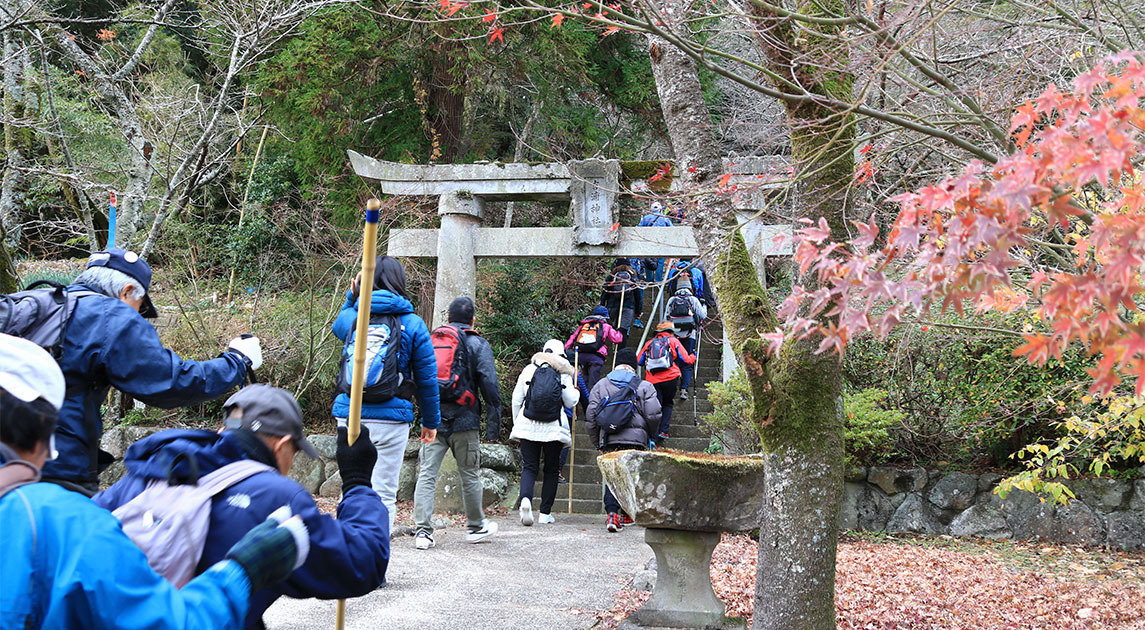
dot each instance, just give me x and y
(601, 311)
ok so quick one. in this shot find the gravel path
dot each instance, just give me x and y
(544, 576)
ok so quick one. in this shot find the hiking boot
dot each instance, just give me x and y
(423, 541)
(614, 525)
(626, 519)
(636, 323)
(661, 438)
(546, 519)
(486, 532)
(561, 479)
(683, 394)
(526, 512)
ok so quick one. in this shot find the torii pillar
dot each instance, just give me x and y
(461, 215)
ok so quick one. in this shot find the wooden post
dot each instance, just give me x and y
(365, 290)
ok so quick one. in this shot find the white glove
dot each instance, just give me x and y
(250, 348)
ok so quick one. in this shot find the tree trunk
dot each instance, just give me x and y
(12, 192)
(797, 395)
(9, 281)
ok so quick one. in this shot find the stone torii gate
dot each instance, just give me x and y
(591, 187)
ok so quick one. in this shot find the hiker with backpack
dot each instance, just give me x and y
(656, 217)
(543, 400)
(623, 413)
(620, 296)
(687, 314)
(400, 368)
(67, 562)
(97, 331)
(590, 341)
(466, 373)
(661, 357)
(220, 484)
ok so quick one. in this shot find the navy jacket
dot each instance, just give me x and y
(109, 344)
(348, 556)
(415, 359)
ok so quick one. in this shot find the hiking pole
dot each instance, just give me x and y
(365, 289)
(111, 219)
(572, 425)
(696, 374)
(619, 321)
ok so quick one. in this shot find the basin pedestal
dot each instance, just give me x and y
(683, 596)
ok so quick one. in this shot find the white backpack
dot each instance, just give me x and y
(169, 523)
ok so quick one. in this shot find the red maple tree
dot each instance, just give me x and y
(1070, 189)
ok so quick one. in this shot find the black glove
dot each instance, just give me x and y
(355, 462)
(270, 552)
(492, 429)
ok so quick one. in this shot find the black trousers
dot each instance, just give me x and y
(531, 463)
(666, 392)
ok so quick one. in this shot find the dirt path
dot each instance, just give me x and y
(544, 576)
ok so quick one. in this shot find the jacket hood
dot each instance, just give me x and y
(594, 318)
(152, 457)
(620, 377)
(384, 302)
(556, 361)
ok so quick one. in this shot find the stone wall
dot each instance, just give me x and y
(500, 467)
(1106, 512)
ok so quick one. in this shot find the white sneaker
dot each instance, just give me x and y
(423, 541)
(546, 519)
(485, 533)
(526, 512)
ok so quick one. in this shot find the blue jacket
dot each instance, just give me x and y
(415, 357)
(68, 564)
(348, 556)
(108, 344)
(654, 219)
(694, 269)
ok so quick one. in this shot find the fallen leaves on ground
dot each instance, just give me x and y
(919, 583)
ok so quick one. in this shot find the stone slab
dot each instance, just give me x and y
(593, 191)
(684, 491)
(494, 182)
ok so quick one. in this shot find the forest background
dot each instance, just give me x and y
(225, 125)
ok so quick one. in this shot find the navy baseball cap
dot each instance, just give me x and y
(128, 262)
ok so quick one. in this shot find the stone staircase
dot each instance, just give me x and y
(584, 477)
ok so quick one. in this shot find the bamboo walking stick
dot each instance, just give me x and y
(619, 321)
(572, 425)
(365, 290)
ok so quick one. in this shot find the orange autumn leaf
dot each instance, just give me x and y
(558, 18)
(497, 35)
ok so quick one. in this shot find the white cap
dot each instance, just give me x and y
(28, 372)
(657, 206)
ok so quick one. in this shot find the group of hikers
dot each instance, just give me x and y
(205, 529)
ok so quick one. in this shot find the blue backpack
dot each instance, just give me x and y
(617, 410)
(382, 380)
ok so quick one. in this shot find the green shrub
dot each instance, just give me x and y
(730, 425)
(868, 422)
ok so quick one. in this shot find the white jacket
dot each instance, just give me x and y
(558, 431)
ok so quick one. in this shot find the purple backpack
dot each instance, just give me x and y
(169, 523)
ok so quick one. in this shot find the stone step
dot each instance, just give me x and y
(579, 506)
(588, 490)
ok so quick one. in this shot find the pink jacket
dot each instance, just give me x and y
(610, 334)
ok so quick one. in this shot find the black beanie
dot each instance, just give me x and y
(626, 356)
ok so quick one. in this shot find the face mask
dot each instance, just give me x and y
(52, 452)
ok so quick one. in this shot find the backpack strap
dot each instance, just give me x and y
(227, 476)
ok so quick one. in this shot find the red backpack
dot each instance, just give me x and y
(454, 374)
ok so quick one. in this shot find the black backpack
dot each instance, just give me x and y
(680, 313)
(617, 410)
(40, 315)
(382, 380)
(543, 401)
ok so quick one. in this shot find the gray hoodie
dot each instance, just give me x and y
(644, 423)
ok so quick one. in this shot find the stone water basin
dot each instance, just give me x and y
(666, 489)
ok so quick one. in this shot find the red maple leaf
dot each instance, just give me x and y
(558, 18)
(497, 35)
(724, 180)
(489, 16)
(662, 171)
